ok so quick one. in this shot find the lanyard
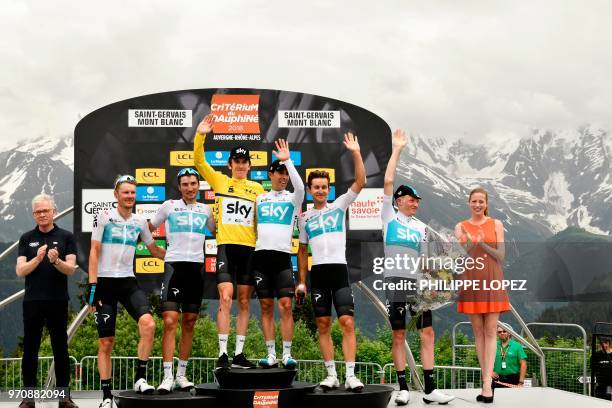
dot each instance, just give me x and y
(503, 352)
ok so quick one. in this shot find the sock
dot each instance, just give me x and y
(331, 368)
(168, 366)
(401, 379)
(141, 370)
(271, 347)
(286, 348)
(182, 368)
(106, 389)
(239, 344)
(429, 381)
(350, 369)
(222, 344)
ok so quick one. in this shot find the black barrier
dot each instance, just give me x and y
(151, 137)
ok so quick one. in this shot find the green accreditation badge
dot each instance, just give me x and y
(141, 248)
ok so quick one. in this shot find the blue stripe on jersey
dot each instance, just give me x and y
(124, 234)
(180, 222)
(275, 213)
(332, 221)
(398, 234)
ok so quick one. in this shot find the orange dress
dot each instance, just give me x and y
(484, 273)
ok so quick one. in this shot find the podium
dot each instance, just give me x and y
(259, 387)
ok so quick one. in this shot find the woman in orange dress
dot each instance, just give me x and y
(483, 238)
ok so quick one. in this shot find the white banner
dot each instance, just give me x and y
(93, 201)
(308, 119)
(159, 118)
(364, 213)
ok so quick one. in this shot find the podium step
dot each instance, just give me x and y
(255, 378)
(177, 399)
(372, 396)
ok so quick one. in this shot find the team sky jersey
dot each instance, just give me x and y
(234, 209)
(402, 235)
(276, 214)
(119, 237)
(186, 226)
(325, 230)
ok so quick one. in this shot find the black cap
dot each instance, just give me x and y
(240, 152)
(276, 165)
(405, 190)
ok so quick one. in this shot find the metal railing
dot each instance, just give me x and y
(567, 366)
(11, 376)
(468, 377)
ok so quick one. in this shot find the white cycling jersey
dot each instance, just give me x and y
(118, 238)
(403, 235)
(185, 229)
(277, 212)
(325, 230)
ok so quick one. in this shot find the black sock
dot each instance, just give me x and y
(401, 380)
(106, 389)
(141, 370)
(429, 381)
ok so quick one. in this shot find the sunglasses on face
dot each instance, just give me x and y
(188, 171)
(125, 179)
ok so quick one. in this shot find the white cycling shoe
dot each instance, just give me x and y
(330, 382)
(142, 387)
(289, 362)
(106, 403)
(182, 383)
(352, 383)
(402, 397)
(437, 396)
(269, 361)
(166, 386)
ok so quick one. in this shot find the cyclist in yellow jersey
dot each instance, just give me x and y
(235, 219)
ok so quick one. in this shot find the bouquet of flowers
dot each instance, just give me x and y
(435, 288)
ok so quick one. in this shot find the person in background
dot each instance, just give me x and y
(46, 257)
(510, 361)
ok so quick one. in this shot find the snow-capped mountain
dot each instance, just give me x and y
(540, 184)
(30, 168)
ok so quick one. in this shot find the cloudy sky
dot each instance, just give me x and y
(469, 68)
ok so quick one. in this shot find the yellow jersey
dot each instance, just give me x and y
(234, 208)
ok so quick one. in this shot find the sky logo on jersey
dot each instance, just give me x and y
(296, 158)
(237, 211)
(141, 247)
(331, 172)
(210, 264)
(259, 175)
(123, 234)
(150, 193)
(149, 265)
(181, 158)
(217, 158)
(187, 222)
(332, 221)
(151, 176)
(330, 197)
(275, 213)
(259, 158)
(398, 234)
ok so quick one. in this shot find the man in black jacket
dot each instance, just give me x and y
(47, 256)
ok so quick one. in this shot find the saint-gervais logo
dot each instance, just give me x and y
(147, 210)
(181, 158)
(217, 158)
(151, 176)
(93, 201)
(150, 193)
(149, 265)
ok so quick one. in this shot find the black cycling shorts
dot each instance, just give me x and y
(183, 287)
(273, 274)
(329, 283)
(234, 264)
(109, 291)
(401, 301)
